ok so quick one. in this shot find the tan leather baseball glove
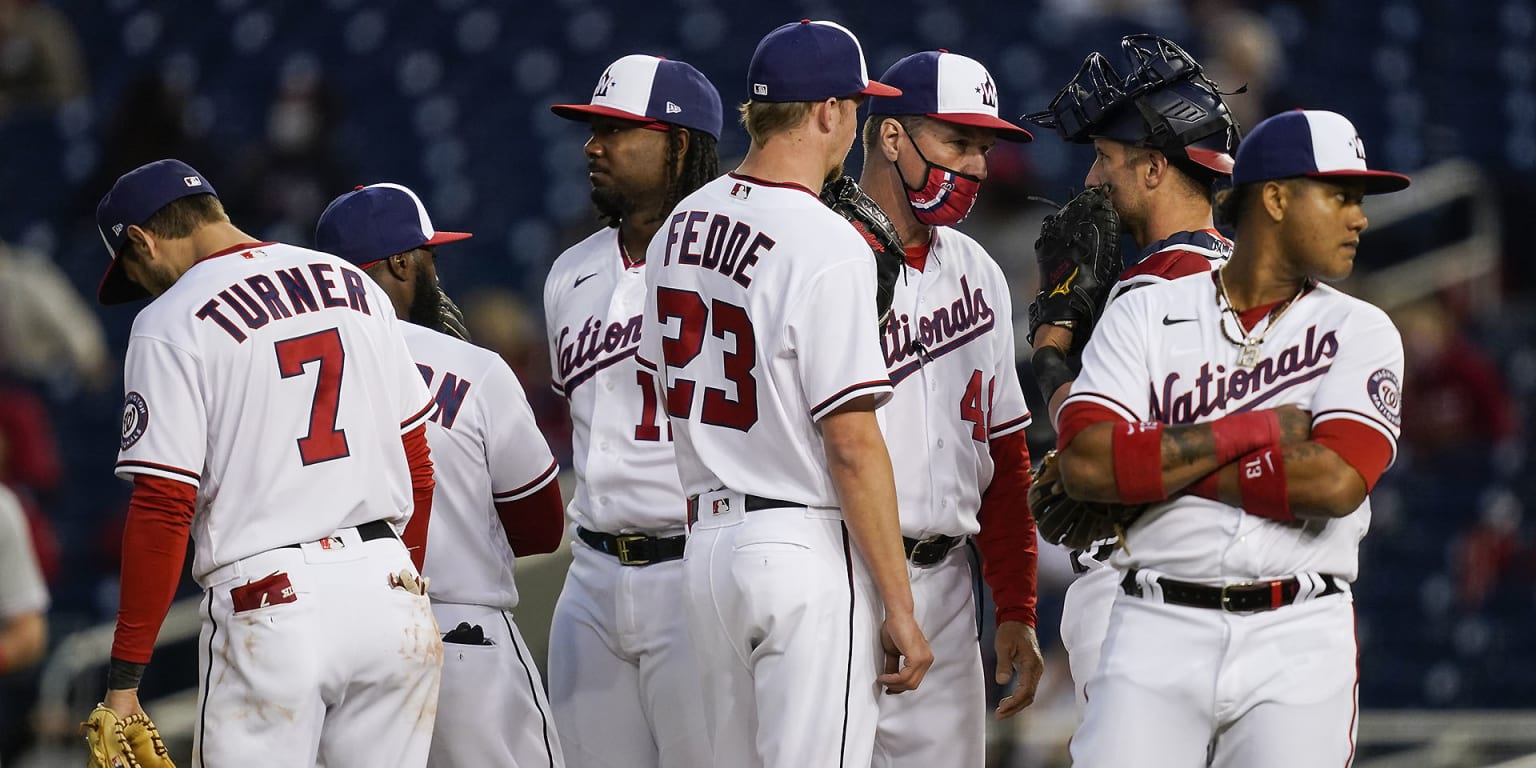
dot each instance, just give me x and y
(129, 742)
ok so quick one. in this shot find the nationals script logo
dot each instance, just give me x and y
(593, 347)
(936, 334)
(1212, 391)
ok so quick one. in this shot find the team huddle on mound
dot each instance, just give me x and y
(798, 428)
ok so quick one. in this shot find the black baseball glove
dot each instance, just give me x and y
(1064, 520)
(450, 319)
(1078, 252)
(844, 196)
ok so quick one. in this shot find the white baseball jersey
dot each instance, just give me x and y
(787, 335)
(486, 448)
(951, 362)
(1179, 255)
(1161, 354)
(275, 380)
(626, 480)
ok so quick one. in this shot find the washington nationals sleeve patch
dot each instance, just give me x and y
(135, 419)
(1386, 395)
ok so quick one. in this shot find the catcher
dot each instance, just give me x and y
(1152, 178)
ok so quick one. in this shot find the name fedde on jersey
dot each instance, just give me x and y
(307, 289)
(1294, 365)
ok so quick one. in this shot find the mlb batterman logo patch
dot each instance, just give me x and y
(1386, 395)
(135, 420)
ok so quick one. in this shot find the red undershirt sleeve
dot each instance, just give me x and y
(419, 456)
(154, 549)
(1007, 537)
(1360, 446)
(534, 523)
(1076, 417)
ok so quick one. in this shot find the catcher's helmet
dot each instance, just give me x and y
(1166, 103)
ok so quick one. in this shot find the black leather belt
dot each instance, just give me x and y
(377, 529)
(1235, 598)
(754, 503)
(635, 548)
(930, 551)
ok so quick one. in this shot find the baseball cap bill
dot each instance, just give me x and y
(651, 89)
(945, 86)
(810, 61)
(138, 195)
(1311, 143)
(372, 223)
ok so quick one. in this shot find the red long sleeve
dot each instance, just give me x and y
(1007, 537)
(154, 548)
(419, 456)
(535, 522)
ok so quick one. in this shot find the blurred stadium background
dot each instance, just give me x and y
(285, 104)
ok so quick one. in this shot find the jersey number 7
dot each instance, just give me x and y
(720, 318)
(324, 441)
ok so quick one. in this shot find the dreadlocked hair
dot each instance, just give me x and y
(700, 164)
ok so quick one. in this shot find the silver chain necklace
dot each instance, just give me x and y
(1249, 344)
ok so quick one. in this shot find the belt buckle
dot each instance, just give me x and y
(1226, 604)
(624, 542)
(927, 552)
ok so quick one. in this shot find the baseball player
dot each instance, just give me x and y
(496, 495)
(622, 672)
(1253, 409)
(958, 412)
(274, 412)
(760, 323)
(1159, 168)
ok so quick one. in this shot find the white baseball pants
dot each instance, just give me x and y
(944, 721)
(786, 624)
(346, 673)
(1274, 689)
(491, 708)
(623, 679)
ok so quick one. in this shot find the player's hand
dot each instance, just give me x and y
(907, 655)
(1018, 650)
(123, 701)
(1295, 424)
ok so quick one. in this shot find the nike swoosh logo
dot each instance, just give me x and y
(583, 279)
(1170, 321)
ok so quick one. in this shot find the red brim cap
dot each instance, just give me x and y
(448, 237)
(1376, 182)
(1005, 129)
(1220, 162)
(584, 112)
(116, 288)
(876, 88)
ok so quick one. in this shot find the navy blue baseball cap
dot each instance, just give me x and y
(945, 86)
(1311, 143)
(811, 61)
(372, 223)
(138, 195)
(652, 90)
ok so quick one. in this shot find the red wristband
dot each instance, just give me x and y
(1261, 478)
(1243, 433)
(1138, 457)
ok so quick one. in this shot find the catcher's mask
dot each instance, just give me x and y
(1166, 103)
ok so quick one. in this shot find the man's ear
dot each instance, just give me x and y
(889, 138)
(1157, 168)
(401, 265)
(140, 244)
